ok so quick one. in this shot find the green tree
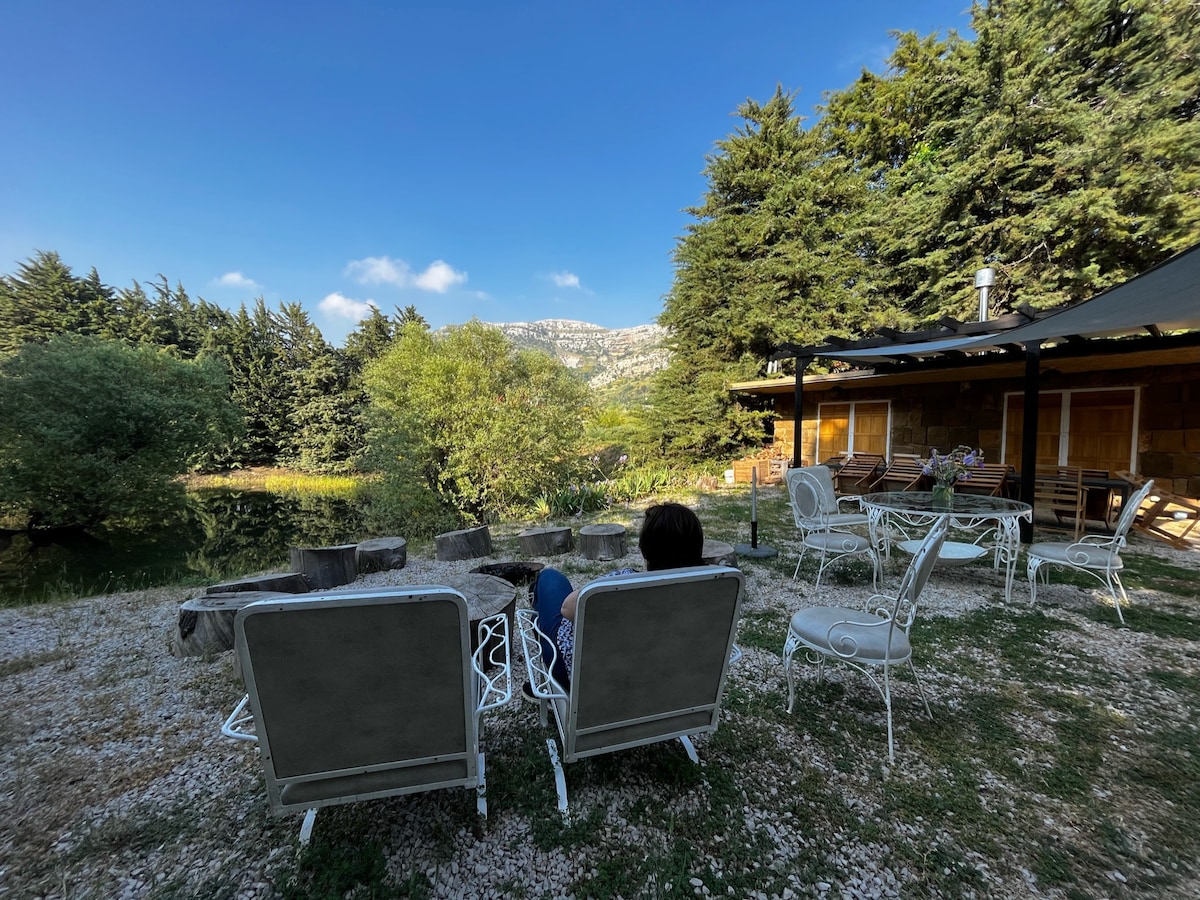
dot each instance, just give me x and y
(43, 298)
(770, 258)
(484, 425)
(93, 431)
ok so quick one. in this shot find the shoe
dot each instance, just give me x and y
(527, 692)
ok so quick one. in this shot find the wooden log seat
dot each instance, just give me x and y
(487, 595)
(521, 574)
(468, 543)
(602, 541)
(205, 623)
(286, 583)
(326, 567)
(545, 541)
(719, 553)
(381, 555)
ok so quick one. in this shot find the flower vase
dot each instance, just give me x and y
(943, 496)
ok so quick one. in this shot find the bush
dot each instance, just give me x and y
(94, 431)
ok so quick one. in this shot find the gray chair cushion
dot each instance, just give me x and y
(1083, 556)
(836, 542)
(860, 633)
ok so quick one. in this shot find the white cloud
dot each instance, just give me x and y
(379, 270)
(565, 279)
(343, 307)
(439, 277)
(237, 280)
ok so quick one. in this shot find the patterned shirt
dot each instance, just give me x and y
(565, 637)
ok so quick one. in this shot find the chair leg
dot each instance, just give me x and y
(799, 559)
(481, 791)
(560, 779)
(1115, 587)
(887, 703)
(1031, 574)
(789, 648)
(920, 689)
(306, 827)
(690, 748)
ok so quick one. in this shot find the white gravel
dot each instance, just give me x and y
(116, 782)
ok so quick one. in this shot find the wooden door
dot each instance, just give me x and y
(834, 434)
(1049, 429)
(1101, 430)
(871, 428)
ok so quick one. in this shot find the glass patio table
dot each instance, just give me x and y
(997, 518)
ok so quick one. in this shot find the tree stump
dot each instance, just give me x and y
(545, 541)
(469, 543)
(521, 574)
(381, 555)
(719, 553)
(487, 595)
(206, 623)
(326, 567)
(287, 583)
(602, 541)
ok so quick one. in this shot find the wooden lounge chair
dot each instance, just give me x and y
(1165, 508)
(903, 473)
(856, 472)
(652, 652)
(989, 479)
(357, 695)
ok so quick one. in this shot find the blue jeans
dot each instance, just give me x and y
(549, 592)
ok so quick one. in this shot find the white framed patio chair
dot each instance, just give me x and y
(819, 517)
(651, 656)
(356, 695)
(872, 639)
(1098, 555)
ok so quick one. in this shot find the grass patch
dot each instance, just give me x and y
(763, 630)
(30, 661)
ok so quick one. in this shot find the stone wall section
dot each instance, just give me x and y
(944, 415)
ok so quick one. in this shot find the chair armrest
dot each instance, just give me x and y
(239, 723)
(496, 689)
(1106, 541)
(544, 685)
(848, 640)
(856, 499)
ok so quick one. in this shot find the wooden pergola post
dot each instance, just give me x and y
(798, 413)
(1029, 434)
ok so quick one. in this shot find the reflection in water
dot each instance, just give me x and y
(213, 535)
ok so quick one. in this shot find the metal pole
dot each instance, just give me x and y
(754, 507)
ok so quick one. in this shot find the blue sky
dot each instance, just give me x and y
(511, 161)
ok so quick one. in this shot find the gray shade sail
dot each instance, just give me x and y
(1164, 298)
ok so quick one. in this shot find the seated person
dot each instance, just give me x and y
(671, 538)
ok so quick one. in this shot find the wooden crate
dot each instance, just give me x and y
(743, 467)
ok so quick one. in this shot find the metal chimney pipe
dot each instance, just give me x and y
(984, 279)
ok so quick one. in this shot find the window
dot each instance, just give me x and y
(1092, 428)
(853, 428)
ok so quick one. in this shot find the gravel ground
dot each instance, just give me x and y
(116, 782)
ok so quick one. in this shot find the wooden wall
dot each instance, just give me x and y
(972, 412)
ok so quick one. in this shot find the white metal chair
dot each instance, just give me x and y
(652, 652)
(1096, 554)
(818, 515)
(354, 695)
(876, 638)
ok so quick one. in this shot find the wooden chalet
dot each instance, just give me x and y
(1111, 383)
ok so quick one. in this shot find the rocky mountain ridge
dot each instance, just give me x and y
(604, 355)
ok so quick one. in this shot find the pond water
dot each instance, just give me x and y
(213, 536)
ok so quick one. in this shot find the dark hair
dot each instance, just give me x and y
(671, 537)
